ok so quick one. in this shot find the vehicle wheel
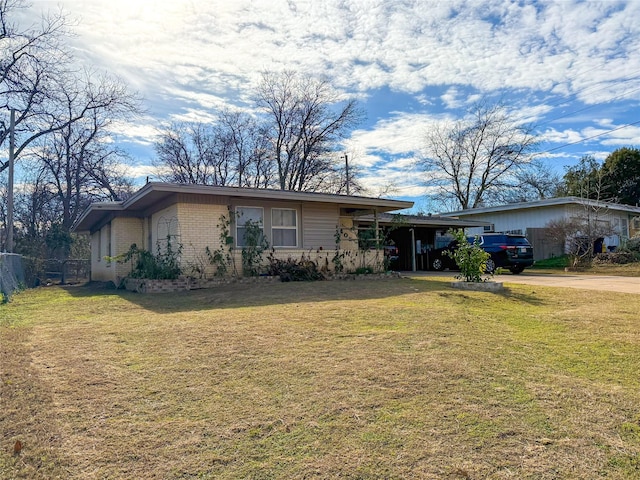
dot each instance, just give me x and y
(516, 270)
(491, 266)
(437, 264)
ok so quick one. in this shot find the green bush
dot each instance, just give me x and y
(163, 266)
(222, 257)
(632, 245)
(364, 271)
(255, 244)
(470, 258)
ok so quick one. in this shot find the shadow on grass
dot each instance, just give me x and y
(285, 294)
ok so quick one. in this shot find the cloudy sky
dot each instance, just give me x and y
(570, 67)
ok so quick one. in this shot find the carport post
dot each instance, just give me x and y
(413, 250)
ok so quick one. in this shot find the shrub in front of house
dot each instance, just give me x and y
(291, 270)
(470, 258)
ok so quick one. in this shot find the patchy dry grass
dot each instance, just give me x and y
(368, 379)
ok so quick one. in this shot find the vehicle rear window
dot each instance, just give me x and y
(517, 241)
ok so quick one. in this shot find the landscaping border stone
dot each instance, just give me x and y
(145, 285)
(479, 286)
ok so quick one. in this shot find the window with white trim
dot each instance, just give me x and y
(284, 227)
(247, 216)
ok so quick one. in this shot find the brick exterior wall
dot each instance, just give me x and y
(199, 229)
(120, 233)
(195, 225)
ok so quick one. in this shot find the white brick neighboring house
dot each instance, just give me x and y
(294, 223)
(531, 219)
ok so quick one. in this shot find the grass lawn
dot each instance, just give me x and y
(558, 264)
(404, 378)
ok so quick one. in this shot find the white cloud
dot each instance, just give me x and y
(189, 58)
(405, 46)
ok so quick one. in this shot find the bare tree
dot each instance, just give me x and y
(80, 164)
(472, 159)
(583, 233)
(305, 119)
(532, 181)
(36, 210)
(187, 154)
(32, 60)
(233, 151)
(246, 139)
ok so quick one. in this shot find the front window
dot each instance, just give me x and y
(247, 218)
(284, 227)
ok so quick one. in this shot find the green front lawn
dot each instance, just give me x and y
(558, 264)
(402, 378)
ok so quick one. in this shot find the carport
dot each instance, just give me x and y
(415, 236)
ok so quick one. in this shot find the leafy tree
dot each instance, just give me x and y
(584, 180)
(477, 157)
(621, 176)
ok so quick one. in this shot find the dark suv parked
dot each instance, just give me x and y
(513, 252)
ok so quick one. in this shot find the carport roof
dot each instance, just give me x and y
(432, 221)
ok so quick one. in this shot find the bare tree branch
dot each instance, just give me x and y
(476, 157)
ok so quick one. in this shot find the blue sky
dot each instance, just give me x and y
(571, 67)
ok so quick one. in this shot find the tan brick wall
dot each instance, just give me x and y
(124, 233)
(98, 270)
(161, 222)
(112, 240)
(199, 228)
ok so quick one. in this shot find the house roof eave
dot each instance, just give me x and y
(548, 202)
(155, 192)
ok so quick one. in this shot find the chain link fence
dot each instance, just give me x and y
(18, 272)
(12, 275)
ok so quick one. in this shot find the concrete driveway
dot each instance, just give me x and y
(587, 282)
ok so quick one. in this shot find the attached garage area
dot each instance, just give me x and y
(415, 236)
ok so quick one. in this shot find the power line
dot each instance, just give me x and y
(587, 108)
(589, 138)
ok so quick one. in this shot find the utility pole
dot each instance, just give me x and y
(346, 165)
(12, 128)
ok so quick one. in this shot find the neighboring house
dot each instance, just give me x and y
(294, 223)
(532, 218)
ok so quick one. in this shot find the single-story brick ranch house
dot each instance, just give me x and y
(294, 223)
(532, 218)
(316, 225)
